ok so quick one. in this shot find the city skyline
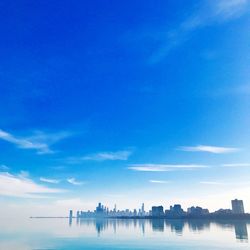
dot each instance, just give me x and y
(117, 101)
(175, 211)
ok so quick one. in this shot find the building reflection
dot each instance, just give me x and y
(160, 225)
(239, 227)
(101, 225)
(241, 233)
(70, 221)
(176, 226)
(198, 225)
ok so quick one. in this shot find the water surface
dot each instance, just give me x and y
(112, 234)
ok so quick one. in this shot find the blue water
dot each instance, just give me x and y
(51, 234)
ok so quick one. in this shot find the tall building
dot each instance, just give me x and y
(157, 211)
(237, 206)
(70, 213)
(77, 214)
(197, 211)
(142, 209)
(176, 209)
(99, 208)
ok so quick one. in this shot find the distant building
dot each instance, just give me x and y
(135, 212)
(176, 210)
(78, 214)
(99, 209)
(237, 206)
(142, 209)
(157, 211)
(197, 211)
(223, 212)
(70, 213)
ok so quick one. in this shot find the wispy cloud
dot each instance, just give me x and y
(24, 174)
(73, 181)
(113, 156)
(159, 181)
(208, 13)
(4, 168)
(38, 141)
(236, 165)
(229, 9)
(122, 155)
(163, 167)
(52, 181)
(209, 149)
(16, 186)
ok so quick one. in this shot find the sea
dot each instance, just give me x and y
(123, 234)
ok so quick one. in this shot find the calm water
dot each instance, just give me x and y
(113, 234)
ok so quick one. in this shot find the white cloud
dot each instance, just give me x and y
(73, 181)
(209, 12)
(39, 141)
(163, 167)
(17, 186)
(159, 181)
(236, 165)
(209, 149)
(102, 156)
(228, 9)
(53, 181)
(122, 155)
(24, 174)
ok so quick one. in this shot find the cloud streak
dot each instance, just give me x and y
(236, 165)
(159, 181)
(122, 155)
(163, 167)
(4, 167)
(208, 13)
(73, 181)
(209, 149)
(17, 186)
(39, 141)
(52, 181)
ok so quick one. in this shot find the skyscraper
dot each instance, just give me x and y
(237, 206)
(142, 209)
(70, 213)
(157, 211)
(99, 208)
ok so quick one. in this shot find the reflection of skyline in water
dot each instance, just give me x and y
(161, 225)
(240, 228)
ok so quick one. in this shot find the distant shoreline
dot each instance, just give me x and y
(204, 217)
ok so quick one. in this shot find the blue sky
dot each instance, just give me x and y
(124, 102)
